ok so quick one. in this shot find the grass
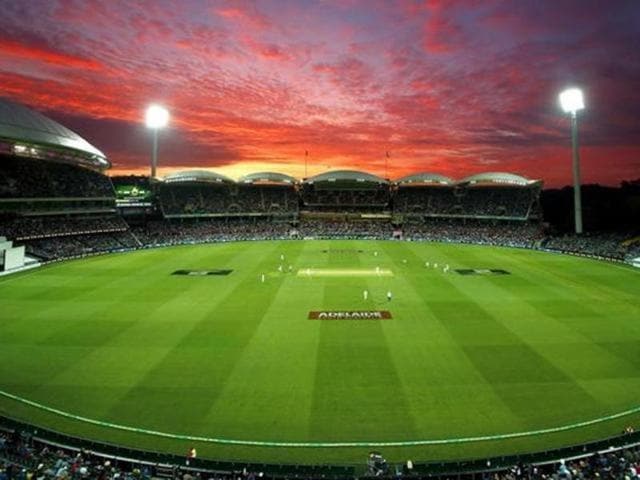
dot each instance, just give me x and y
(119, 339)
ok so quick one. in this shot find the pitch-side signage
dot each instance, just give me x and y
(350, 315)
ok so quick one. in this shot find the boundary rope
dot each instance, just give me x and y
(259, 443)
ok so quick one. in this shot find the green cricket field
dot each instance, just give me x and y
(487, 351)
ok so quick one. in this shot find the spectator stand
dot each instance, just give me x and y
(31, 186)
(202, 194)
(273, 194)
(45, 168)
(345, 191)
(501, 196)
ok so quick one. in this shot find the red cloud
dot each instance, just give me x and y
(434, 84)
(266, 50)
(246, 13)
(44, 54)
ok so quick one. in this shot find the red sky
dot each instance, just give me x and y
(448, 86)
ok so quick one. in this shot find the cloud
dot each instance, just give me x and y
(450, 86)
(45, 54)
(245, 13)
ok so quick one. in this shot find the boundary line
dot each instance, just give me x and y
(260, 443)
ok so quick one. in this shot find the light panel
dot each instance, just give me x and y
(572, 100)
(157, 117)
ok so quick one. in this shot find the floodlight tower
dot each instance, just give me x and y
(572, 101)
(157, 117)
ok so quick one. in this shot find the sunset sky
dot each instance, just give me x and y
(446, 86)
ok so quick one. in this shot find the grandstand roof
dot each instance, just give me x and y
(206, 176)
(29, 129)
(346, 175)
(270, 177)
(498, 178)
(425, 177)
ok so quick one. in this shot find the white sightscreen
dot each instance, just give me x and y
(14, 258)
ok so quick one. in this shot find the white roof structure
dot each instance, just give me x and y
(424, 178)
(498, 178)
(199, 176)
(268, 177)
(346, 175)
(28, 129)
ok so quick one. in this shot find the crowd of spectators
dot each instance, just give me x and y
(21, 458)
(78, 245)
(368, 229)
(609, 245)
(57, 237)
(31, 178)
(312, 196)
(202, 199)
(633, 250)
(25, 457)
(513, 234)
(512, 202)
(622, 464)
(156, 233)
(27, 228)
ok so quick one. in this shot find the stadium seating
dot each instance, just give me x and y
(514, 233)
(204, 199)
(24, 455)
(30, 178)
(162, 232)
(344, 198)
(467, 202)
(30, 186)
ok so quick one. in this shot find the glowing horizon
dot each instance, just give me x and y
(386, 87)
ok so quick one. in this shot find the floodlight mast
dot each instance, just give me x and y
(572, 101)
(156, 118)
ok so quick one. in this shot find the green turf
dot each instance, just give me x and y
(118, 338)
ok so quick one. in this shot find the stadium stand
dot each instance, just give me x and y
(345, 191)
(200, 193)
(49, 238)
(70, 238)
(47, 168)
(28, 454)
(512, 234)
(607, 245)
(488, 195)
(31, 228)
(163, 232)
(363, 229)
(497, 209)
(29, 178)
(54, 196)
